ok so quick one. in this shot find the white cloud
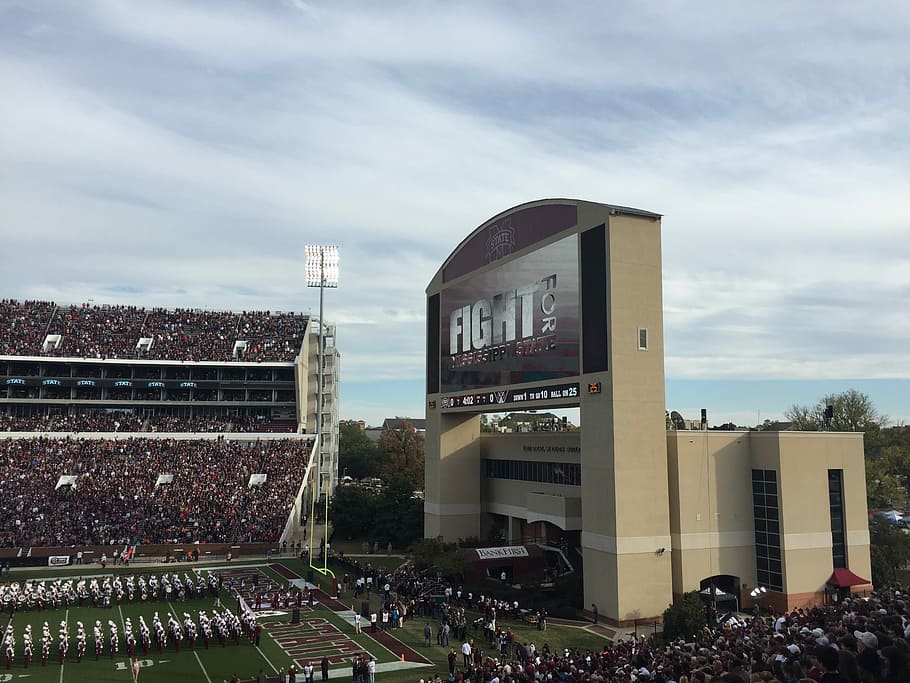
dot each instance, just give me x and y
(171, 153)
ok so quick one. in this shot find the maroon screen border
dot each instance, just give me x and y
(529, 226)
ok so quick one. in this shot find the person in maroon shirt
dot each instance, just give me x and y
(453, 658)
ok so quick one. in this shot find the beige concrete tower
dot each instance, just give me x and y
(558, 303)
(626, 528)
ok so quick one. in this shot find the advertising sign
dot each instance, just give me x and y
(505, 551)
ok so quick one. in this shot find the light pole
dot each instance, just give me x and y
(322, 272)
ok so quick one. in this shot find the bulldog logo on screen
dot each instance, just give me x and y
(501, 240)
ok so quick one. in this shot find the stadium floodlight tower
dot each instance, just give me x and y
(321, 271)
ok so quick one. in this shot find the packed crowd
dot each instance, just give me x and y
(23, 326)
(858, 640)
(128, 422)
(115, 331)
(80, 422)
(116, 498)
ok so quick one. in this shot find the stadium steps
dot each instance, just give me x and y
(566, 566)
(50, 320)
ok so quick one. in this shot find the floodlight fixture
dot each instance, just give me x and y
(322, 265)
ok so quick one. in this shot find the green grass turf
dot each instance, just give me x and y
(411, 634)
(219, 664)
(216, 664)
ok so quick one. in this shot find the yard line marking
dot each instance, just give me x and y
(204, 672)
(66, 620)
(123, 626)
(266, 659)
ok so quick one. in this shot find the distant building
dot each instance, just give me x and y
(390, 423)
(419, 424)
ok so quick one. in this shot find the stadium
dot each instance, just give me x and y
(133, 438)
(165, 470)
(100, 400)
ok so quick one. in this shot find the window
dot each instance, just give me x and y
(836, 507)
(565, 473)
(642, 338)
(767, 529)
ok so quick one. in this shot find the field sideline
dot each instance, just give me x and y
(321, 632)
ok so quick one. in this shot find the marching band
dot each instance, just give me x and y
(220, 625)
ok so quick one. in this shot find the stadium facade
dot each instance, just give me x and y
(259, 369)
(558, 303)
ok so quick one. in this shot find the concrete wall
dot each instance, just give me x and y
(711, 508)
(532, 501)
(805, 458)
(452, 495)
(305, 389)
(538, 446)
(624, 450)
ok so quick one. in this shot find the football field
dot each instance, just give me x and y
(324, 630)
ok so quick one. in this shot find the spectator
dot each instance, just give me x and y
(115, 332)
(116, 498)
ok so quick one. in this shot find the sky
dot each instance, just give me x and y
(180, 153)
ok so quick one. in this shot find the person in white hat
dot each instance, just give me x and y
(867, 657)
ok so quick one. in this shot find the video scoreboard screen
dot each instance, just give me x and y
(515, 324)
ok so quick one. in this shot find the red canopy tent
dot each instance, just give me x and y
(844, 578)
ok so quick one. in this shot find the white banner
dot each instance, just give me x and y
(66, 480)
(505, 551)
(164, 479)
(257, 480)
(58, 560)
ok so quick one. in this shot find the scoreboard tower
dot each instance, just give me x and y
(552, 304)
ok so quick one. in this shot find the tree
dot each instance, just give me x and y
(886, 450)
(402, 448)
(889, 549)
(886, 481)
(853, 411)
(399, 514)
(358, 455)
(684, 618)
(352, 511)
(445, 558)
